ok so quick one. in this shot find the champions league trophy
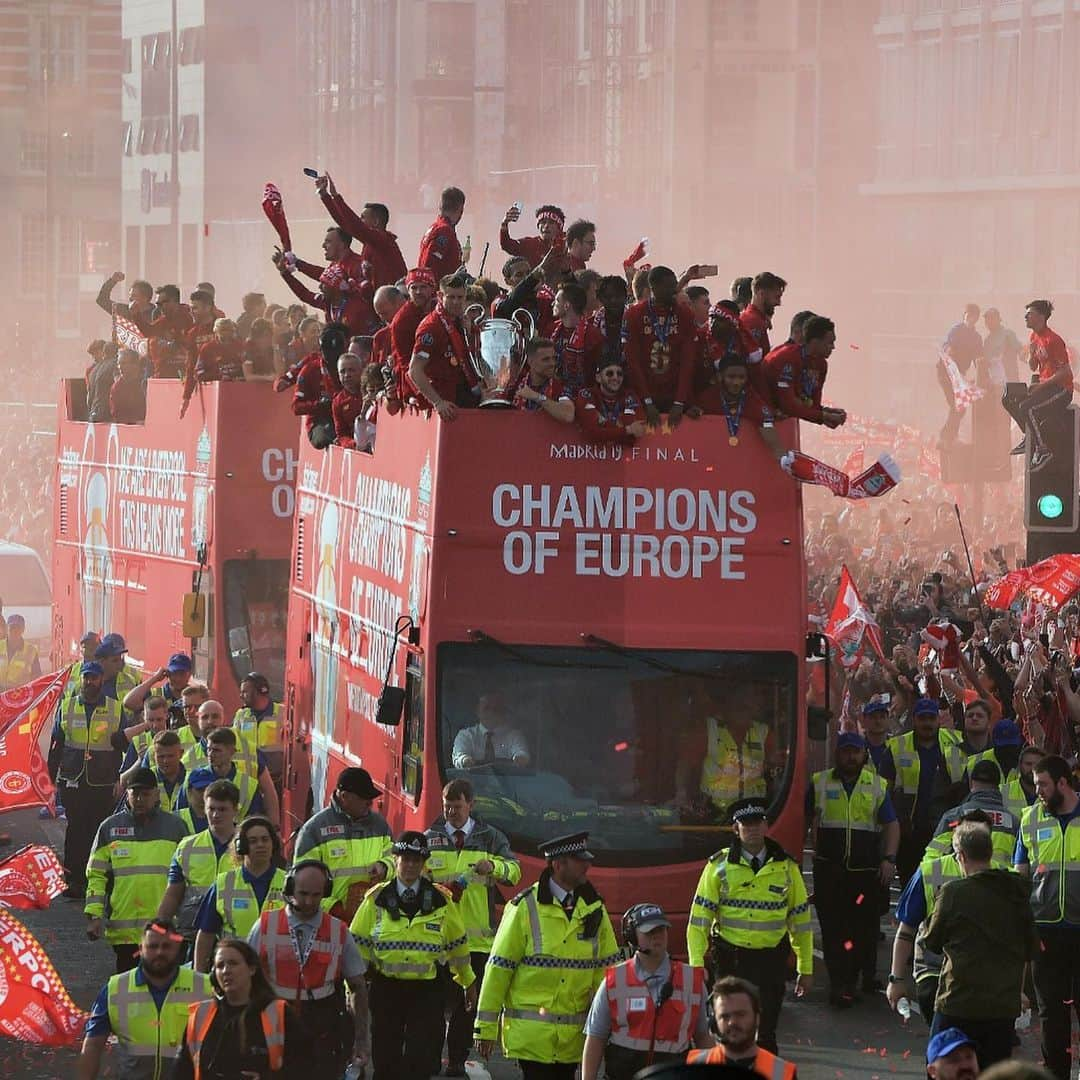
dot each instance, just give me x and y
(500, 359)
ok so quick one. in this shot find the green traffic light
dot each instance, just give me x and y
(1050, 506)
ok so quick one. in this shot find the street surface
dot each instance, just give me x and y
(867, 1041)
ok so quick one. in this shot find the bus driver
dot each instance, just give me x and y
(491, 739)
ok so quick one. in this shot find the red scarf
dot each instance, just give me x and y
(455, 334)
(570, 354)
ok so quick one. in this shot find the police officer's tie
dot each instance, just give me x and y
(409, 904)
(568, 904)
(459, 838)
(489, 746)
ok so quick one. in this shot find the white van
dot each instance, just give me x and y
(25, 590)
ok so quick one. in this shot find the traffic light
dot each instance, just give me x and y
(1051, 500)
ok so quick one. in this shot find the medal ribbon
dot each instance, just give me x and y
(454, 333)
(732, 420)
(662, 334)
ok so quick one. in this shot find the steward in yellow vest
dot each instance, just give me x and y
(984, 776)
(19, 662)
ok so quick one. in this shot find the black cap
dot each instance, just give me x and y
(411, 843)
(575, 844)
(357, 782)
(143, 778)
(986, 772)
(748, 809)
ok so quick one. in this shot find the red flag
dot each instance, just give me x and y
(34, 1006)
(1053, 581)
(31, 878)
(852, 623)
(274, 209)
(129, 336)
(879, 478)
(26, 715)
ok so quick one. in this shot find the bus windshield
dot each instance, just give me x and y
(23, 582)
(256, 595)
(645, 749)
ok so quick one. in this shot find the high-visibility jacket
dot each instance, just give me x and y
(1003, 825)
(148, 1040)
(905, 755)
(848, 830)
(248, 787)
(542, 973)
(318, 977)
(245, 759)
(88, 756)
(1015, 797)
(201, 1018)
(194, 755)
(16, 666)
(477, 894)
(239, 907)
(265, 733)
(170, 800)
(1054, 858)
(193, 826)
(126, 874)
(201, 866)
(748, 910)
(634, 1018)
(990, 755)
(408, 949)
(734, 770)
(349, 847)
(766, 1065)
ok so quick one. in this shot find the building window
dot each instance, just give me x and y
(735, 20)
(192, 45)
(78, 152)
(32, 252)
(33, 151)
(68, 246)
(65, 48)
(189, 132)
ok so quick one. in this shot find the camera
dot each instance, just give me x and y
(177, 717)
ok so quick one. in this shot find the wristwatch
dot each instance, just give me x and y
(896, 978)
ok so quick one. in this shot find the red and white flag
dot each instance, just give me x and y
(26, 716)
(876, 480)
(34, 1006)
(274, 209)
(31, 878)
(964, 393)
(128, 336)
(852, 624)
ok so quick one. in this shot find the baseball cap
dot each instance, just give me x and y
(944, 1043)
(16, 620)
(91, 667)
(358, 782)
(649, 917)
(1007, 733)
(875, 704)
(201, 778)
(143, 778)
(111, 645)
(90, 635)
(179, 662)
(850, 738)
(986, 772)
(926, 706)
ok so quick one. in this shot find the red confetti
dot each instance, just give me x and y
(859, 898)
(855, 347)
(621, 746)
(907, 1054)
(849, 945)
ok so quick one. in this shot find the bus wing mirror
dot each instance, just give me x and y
(391, 704)
(194, 615)
(817, 723)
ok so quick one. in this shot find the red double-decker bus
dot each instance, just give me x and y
(176, 533)
(605, 610)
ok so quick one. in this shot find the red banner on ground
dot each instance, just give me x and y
(26, 716)
(31, 878)
(34, 1006)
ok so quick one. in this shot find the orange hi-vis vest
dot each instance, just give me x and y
(201, 1016)
(767, 1065)
(317, 976)
(634, 1014)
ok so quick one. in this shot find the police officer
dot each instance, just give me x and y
(402, 928)
(553, 945)
(83, 758)
(19, 662)
(985, 778)
(126, 873)
(145, 1008)
(1048, 852)
(924, 768)
(470, 858)
(352, 839)
(855, 835)
(309, 957)
(240, 894)
(200, 857)
(259, 720)
(650, 1008)
(749, 910)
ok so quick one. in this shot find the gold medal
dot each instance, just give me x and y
(453, 361)
(733, 440)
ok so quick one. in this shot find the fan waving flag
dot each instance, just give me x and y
(34, 1006)
(851, 624)
(31, 878)
(26, 715)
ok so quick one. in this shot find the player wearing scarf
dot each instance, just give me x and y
(609, 412)
(579, 345)
(439, 366)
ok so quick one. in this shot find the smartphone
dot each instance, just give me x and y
(709, 270)
(313, 173)
(519, 206)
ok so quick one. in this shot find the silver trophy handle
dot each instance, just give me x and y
(476, 307)
(532, 322)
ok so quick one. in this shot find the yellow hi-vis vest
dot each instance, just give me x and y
(905, 756)
(1014, 797)
(201, 866)
(265, 734)
(148, 1040)
(734, 770)
(15, 667)
(848, 826)
(237, 905)
(88, 753)
(1054, 857)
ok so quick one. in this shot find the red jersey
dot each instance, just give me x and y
(197, 336)
(352, 291)
(533, 248)
(754, 327)
(604, 419)
(381, 348)
(1050, 353)
(577, 353)
(796, 381)
(346, 409)
(552, 390)
(440, 251)
(440, 341)
(747, 407)
(127, 401)
(380, 248)
(576, 263)
(166, 332)
(659, 350)
(314, 391)
(220, 361)
(402, 338)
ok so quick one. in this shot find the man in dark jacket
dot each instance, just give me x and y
(982, 924)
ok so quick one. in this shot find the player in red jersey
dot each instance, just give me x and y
(579, 344)
(609, 412)
(733, 398)
(755, 322)
(658, 343)
(541, 390)
(795, 374)
(348, 404)
(440, 251)
(1047, 400)
(420, 285)
(380, 250)
(549, 223)
(580, 243)
(166, 333)
(439, 367)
